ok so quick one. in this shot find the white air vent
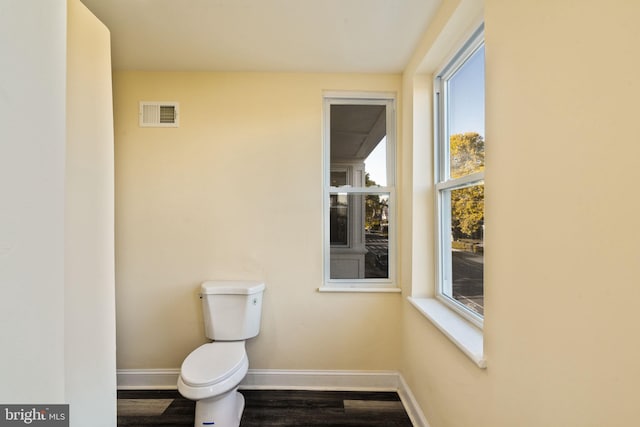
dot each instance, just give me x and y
(159, 114)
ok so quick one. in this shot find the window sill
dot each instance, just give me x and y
(358, 289)
(466, 336)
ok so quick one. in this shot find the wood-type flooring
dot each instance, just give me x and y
(270, 408)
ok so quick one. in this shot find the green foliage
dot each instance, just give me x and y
(467, 204)
(375, 208)
(467, 211)
(467, 154)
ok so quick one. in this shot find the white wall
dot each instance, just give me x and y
(56, 221)
(32, 157)
(90, 384)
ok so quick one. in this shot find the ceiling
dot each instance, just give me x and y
(370, 36)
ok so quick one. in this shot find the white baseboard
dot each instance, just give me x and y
(411, 404)
(275, 379)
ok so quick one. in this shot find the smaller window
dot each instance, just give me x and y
(359, 192)
(460, 180)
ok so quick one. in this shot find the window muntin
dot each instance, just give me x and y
(359, 171)
(460, 180)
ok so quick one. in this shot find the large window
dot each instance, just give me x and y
(460, 142)
(359, 191)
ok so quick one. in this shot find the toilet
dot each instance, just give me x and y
(211, 373)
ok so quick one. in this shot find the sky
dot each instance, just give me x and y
(376, 163)
(466, 96)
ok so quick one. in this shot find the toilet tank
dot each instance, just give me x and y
(231, 309)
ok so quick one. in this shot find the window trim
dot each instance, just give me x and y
(444, 184)
(388, 99)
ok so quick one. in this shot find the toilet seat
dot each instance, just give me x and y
(213, 363)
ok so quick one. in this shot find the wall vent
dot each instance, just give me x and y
(159, 114)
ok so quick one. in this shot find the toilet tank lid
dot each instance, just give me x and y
(232, 287)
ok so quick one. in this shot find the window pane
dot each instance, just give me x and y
(339, 216)
(358, 142)
(467, 247)
(338, 179)
(465, 116)
(377, 236)
(359, 236)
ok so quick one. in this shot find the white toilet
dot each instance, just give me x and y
(211, 373)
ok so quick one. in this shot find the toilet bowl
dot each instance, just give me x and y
(211, 373)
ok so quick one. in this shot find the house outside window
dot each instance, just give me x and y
(459, 97)
(359, 163)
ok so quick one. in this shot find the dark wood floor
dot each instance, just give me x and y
(271, 408)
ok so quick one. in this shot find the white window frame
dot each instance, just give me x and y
(361, 98)
(444, 184)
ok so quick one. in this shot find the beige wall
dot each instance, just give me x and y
(235, 192)
(562, 267)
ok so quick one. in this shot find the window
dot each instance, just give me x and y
(459, 97)
(359, 143)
